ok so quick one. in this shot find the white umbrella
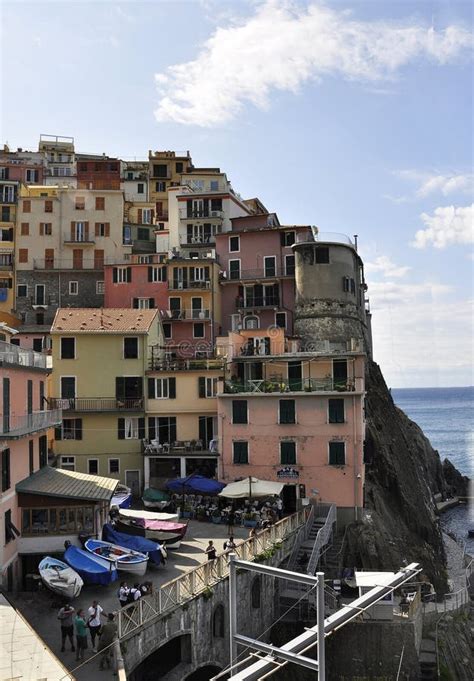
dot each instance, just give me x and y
(251, 487)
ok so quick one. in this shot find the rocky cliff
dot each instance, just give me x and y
(403, 473)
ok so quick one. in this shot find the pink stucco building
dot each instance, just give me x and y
(257, 273)
(294, 417)
(24, 425)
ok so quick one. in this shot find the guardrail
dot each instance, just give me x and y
(13, 354)
(322, 538)
(199, 579)
(97, 403)
(24, 424)
(302, 535)
(287, 386)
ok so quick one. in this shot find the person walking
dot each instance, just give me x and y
(134, 594)
(230, 521)
(279, 508)
(230, 544)
(211, 551)
(81, 634)
(107, 637)
(123, 594)
(67, 629)
(94, 622)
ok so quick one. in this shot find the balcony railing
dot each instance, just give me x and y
(259, 273)
(307, 385)
(180, 285)
(97, 403)
(185, 315)
(157, 364)
(201, 214)
(13, 354)
(197, 241)
(18, 425)
(180, 447)
(271, 301)
(67, 263)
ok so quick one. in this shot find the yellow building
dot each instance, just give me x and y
(100, 357)
(165, 170)
(8, 208)
(181, 406)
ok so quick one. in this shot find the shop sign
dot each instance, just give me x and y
(288, 472)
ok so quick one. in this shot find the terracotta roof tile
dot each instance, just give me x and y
(102, 320)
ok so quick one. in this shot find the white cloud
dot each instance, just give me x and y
(448, 225)
(431, 183)
(386, 267)
(284, 45)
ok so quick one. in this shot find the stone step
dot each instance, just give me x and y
(428, 646)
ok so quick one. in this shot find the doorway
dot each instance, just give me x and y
(132, 480)
(289, 498)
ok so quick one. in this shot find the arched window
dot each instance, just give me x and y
(251, 322)
(255, 592)
(218, 622)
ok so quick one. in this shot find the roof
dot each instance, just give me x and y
(57, 482)
(103, 320)
(23, 654)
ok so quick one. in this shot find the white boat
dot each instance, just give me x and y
(161, 527)
(60, 578)
(122, 497)
(120, 557)
(149, 515)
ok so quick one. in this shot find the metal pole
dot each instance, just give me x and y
(232, 610)
(320, 629)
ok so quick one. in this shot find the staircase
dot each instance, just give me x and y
(299, 564)
(332, 558)
(428, 661)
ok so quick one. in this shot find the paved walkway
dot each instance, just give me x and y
(40, 609)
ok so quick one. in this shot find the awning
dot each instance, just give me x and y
(251, 488)
(57, 482)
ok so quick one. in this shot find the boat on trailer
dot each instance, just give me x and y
(161, 527)
(120, 557)
(60, 578)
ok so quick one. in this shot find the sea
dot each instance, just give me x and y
(446, 416)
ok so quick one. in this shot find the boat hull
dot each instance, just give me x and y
(121, 558)
(171, 538)
(60, 578)
(92, 569)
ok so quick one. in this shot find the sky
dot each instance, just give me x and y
(353, 116)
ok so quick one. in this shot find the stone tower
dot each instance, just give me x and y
(330, 300)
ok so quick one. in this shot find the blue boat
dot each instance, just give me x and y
(122, 497)
(92, 569)
(156, 553)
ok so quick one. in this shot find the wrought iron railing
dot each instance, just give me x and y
(192, 364)
(322, 539)
(286, 386)
(97, 403)
(194, 582)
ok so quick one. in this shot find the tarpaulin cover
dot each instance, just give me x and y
(133, 542)
(154, 495)
(92, 569)
(195, 483)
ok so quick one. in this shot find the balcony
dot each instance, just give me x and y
(253, 303)
(180, 448)
(6, 263)
(67, 264)
(99, 404)
(79, 242)
(197, 241)
(193, 364)
(185, 285)
(306, 385)
(257, 274)
(19, 425)
(187, 315)
(201, 214)
(16, 356)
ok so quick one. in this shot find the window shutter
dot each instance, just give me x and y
(73, 230)
(164, 273)
(119, 388)
(172, 388)
(202, 386)
(10, 283)
(282, 238)
(10, 232)
(150, 274)
(107, 229)
(141, 428)
(140, 216)
(135, 303)
(97, 228)
(41, 228)
(189, 209)
(151, 388)
(58, 433)
(206, 273)
(129, 274)
(151, 303)
(121, 429)
(151, 428)
(78, 429)
(115, 275)
(86, 227)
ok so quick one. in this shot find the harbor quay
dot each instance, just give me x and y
(40, 608)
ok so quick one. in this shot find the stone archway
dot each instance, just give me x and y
(163, 660)
(204, 673)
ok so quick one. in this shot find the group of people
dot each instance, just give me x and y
(78, 623)
(127, 594)
(206, 507)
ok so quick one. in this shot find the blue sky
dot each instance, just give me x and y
(354, 116)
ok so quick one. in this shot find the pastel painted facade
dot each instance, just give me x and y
(60, 160)
(27, 167)
(134, 180)
(296, 417)
(8, 208)
(165, 170)
(258, 273)
(100, 358)
(181, 407)
(25, 433)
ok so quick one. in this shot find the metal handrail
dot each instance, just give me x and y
(302, 535)
(322, 539)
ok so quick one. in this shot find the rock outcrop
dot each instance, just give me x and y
(403, 473)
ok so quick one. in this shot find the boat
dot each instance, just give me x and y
(122, 497)
(156, 552)
(120, 557)
(60, 578)
(161, 527)
(155, 498)
(92, 569)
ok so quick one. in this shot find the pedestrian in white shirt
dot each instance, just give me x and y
(94, 621)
